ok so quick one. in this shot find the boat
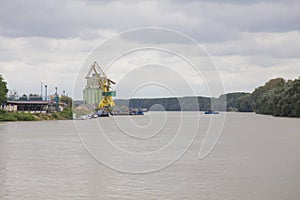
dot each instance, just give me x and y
(102, 113)
(139, 112)
(211, 112)
(115, 113)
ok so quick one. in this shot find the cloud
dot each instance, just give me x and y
(206, 21)
(276, 45)
(27, 61)
(48, 40)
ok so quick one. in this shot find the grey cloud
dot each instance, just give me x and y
(276, 45)
(233, 1)
(207, 21)
(55, 36)
(155, 36)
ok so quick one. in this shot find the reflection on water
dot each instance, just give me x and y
(257, 157)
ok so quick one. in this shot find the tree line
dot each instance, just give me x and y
(277, 97)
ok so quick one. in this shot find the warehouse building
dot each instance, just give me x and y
(30, 106)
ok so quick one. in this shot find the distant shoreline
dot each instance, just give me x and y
(36, 117)
(277, 97)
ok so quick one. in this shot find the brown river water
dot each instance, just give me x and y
(255, 157)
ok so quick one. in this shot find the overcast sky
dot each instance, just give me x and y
(250, 42)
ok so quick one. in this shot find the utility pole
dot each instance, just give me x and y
(42, 90)
(46, 98)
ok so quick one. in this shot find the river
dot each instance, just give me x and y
(255, 157)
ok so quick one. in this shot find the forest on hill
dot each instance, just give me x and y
(277, 97)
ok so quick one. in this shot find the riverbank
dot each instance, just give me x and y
(66, 114)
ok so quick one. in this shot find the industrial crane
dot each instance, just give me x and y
(106, 103)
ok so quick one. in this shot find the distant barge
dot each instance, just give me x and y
(211, 112)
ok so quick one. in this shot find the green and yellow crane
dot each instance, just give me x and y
(106, 103)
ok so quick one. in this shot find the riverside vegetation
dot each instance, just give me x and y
(66, 114)
(277, 97)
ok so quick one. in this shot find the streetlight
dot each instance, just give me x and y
(56, 99)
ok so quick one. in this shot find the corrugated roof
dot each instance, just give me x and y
(30, 102)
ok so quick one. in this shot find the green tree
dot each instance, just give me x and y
(67, 100)
(297, 108)
(278, 97)
(3, 91)
(273, 83)
(234, 101)
(245, 103)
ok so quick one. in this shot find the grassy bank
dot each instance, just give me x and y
(66, 114)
